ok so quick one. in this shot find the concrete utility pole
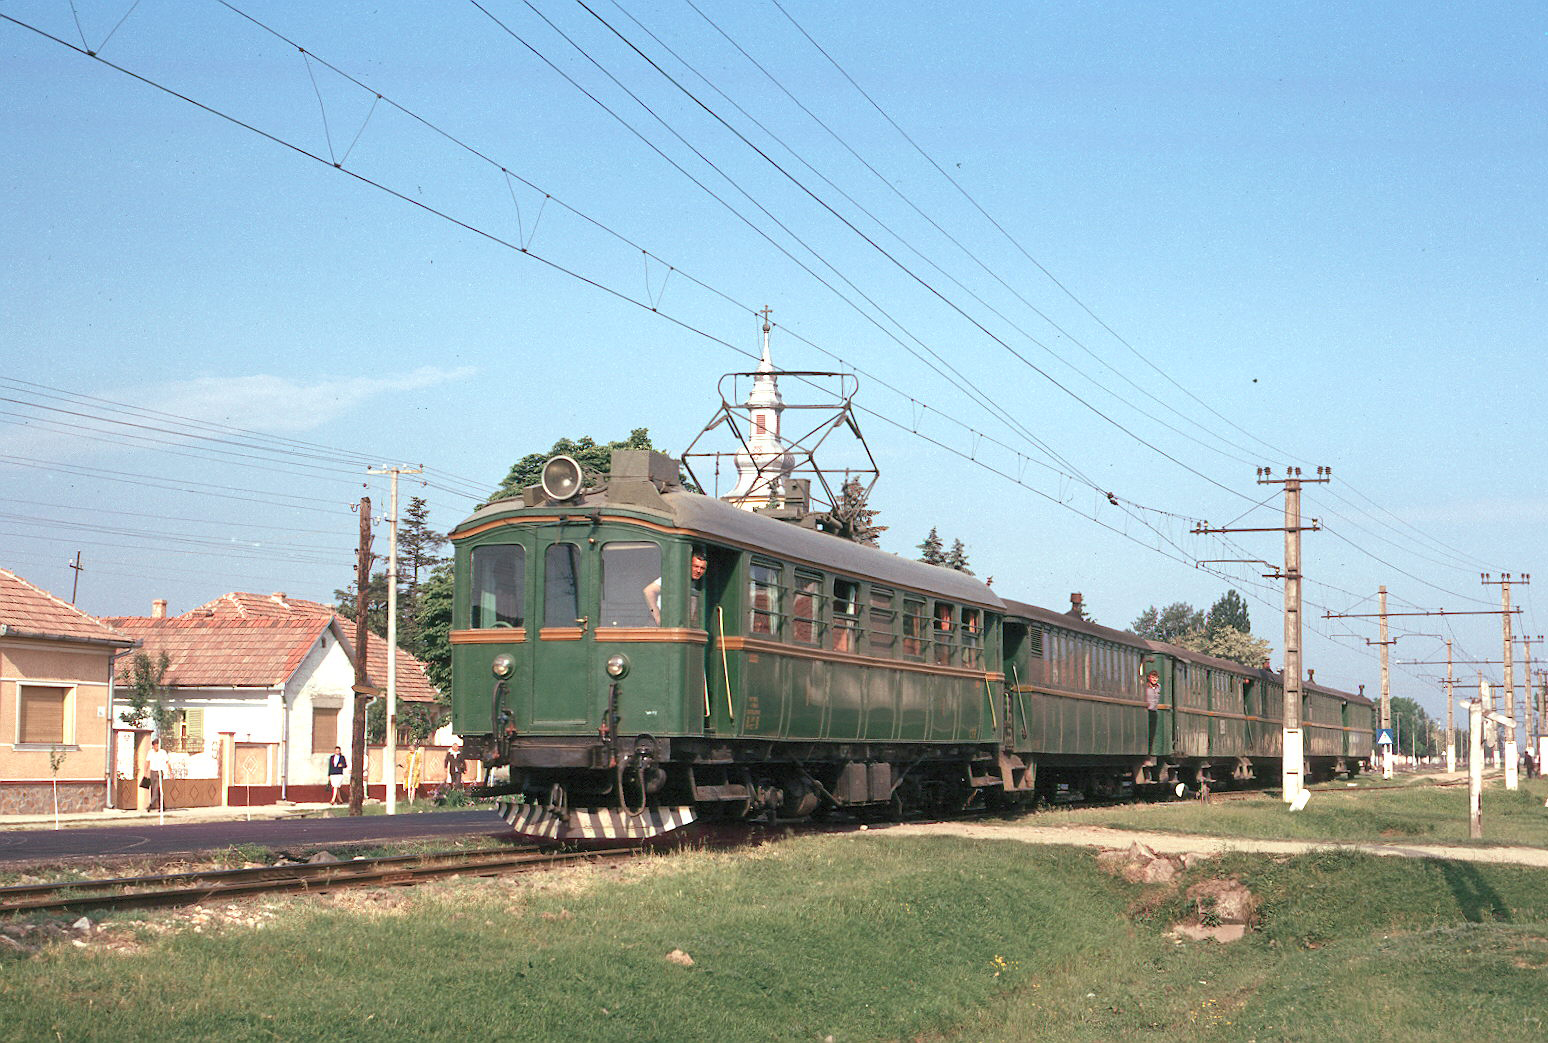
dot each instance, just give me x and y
(1510, 672)
(363, 690)
(1292, 759)
(1475, 760)
(1529, 720)
(390, 754)
(1451, 735)
(1386, 682)
(1542, 715)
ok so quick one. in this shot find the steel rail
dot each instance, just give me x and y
(191, 888)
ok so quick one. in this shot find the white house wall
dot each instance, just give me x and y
(326, 681)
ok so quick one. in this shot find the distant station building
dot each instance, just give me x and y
(56, 670)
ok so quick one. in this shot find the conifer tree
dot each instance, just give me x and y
(930, 551)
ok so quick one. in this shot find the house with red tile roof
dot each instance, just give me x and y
(271, 673)
(56, 673)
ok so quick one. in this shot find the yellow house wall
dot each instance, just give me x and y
(86, 670)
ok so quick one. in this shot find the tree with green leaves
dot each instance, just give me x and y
(435, 621)
(594, 458)
(1414, 728)
(1228, 643)
(146, 695)
(417, 721)
(419, 546)
(1222, 633)
(1171, 624)
(931, 551)
(347, 598)
(957, 558)
(1229, 611)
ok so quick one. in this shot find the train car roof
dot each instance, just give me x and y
(1022, 610)
(1337, 693)
(1232, 666)
(718, 521)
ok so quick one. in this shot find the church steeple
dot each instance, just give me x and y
(764, 463)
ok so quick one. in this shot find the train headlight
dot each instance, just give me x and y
(617, 665)
(503, 666)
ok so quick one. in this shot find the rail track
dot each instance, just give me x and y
(170, 889)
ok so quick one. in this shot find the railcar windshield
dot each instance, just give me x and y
(561, 597)
(629, 571)
(499, 575)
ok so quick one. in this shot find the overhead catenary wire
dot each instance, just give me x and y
(936, 362)
(407, 200)
(911, 274)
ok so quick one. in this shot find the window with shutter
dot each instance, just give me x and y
(41, 715)
(325, 730)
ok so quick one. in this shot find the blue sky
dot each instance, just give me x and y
(1175, 245)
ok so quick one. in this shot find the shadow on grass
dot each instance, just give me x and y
(1478, 901)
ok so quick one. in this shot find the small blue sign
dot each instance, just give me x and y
(1384, 737)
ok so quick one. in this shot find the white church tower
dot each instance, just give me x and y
(764, 464)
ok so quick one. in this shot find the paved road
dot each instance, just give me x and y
(1178, 843)
(36, 845)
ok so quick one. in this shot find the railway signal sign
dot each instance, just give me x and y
(1384, 737)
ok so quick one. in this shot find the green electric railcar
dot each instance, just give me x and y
(640, 655)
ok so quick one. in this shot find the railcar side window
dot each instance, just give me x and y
(915, 628)
(846, 615)
(881, 633)
(942, 635)
(806, 609)
(972, 638)
(561, 596)
(627, 570)
(498, 586)
(763, 595)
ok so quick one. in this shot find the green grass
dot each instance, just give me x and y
(858, 937)
(1422, 813)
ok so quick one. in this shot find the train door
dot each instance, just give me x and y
(1158, 685)
(563, 693)
(1013, 660)
(716, 613)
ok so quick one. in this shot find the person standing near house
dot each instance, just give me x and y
(156, 767)
(455, 765)
(336, 766)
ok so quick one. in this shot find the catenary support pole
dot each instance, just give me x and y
(390, 752)
(1475, 760)
(357, 777)
(1451, 735)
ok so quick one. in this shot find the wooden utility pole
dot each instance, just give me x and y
(1509, 705)
(1292, 748)
(390, 753)
(363, 690)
